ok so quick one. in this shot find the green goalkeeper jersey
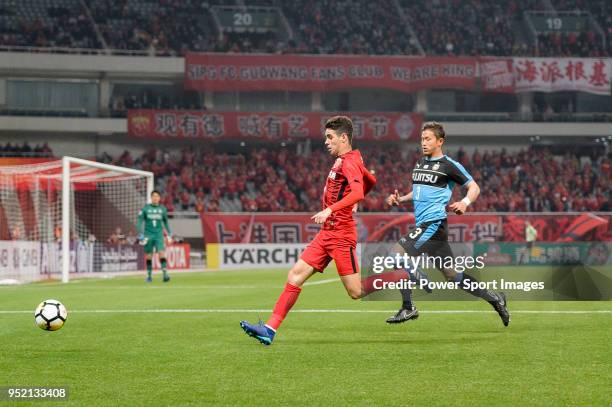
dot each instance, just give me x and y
(155, 219)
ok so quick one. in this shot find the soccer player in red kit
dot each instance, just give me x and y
(347, 184)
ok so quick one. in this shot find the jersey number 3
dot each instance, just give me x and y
(415, 233)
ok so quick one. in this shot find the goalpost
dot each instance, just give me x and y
(57, 218)
(121, 183)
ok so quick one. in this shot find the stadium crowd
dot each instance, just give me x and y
(333, 27)
(281, 180)
(174, 27)
(25, 150)
(164, 27)
(64, 24)
(488, 28)
(585, 44)
(119, 104)
(466, 27)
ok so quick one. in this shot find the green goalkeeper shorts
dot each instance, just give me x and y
(154, 243)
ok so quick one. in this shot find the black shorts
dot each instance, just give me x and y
(430, 238)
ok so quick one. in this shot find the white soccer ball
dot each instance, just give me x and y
(50, 315)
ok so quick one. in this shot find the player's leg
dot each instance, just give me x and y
(314, 258)
(164, 264)
(347, 264)
(161, 251)
(149, 261)
(469, 283)
(149, 249)
(357, 288)
(299, 273)
(413, 244)
(264, 333)
(345, 258)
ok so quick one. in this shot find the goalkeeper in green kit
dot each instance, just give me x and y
(155, 219)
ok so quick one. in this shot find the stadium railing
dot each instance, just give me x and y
(90, 51)
(53, 112)
(519, 117)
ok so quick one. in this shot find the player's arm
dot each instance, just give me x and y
(355, 178)
(350, 199)
(395, 198)
(369, 180)
(139, 227)
(405, 198)
(473, 191)
(459, 174)
(141, 220)
(166, 225)
(472, 194)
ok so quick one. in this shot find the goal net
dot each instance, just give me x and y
(69, 216)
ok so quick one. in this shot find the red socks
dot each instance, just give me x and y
(291, 293)
(286, 300)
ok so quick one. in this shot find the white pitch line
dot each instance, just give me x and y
(160, 287)
(306, 311)
(182, 287)
(319, 282)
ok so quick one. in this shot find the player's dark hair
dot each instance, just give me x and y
(435, 127)
(155, 191)
(341, 124)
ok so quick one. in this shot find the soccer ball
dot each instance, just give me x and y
(50, 315)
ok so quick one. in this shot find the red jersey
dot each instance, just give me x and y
(346, 174)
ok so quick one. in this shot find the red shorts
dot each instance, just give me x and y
(327, 246)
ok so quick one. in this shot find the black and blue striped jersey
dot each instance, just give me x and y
(433, 180)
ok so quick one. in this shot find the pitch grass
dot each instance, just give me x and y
(326, 359)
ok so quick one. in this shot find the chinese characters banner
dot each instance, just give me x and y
(236, 72)
(268, 126)
(300, 228)
(496, 75)
(590, 75)
(382, 227)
